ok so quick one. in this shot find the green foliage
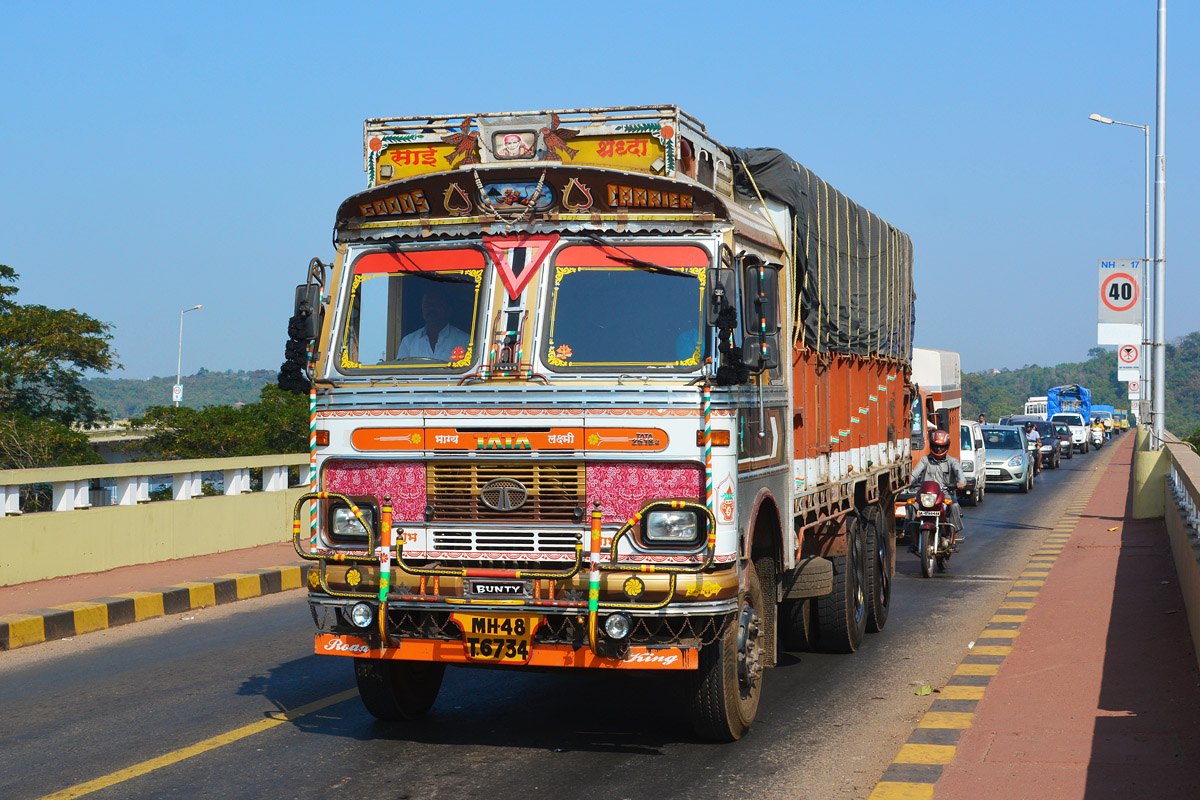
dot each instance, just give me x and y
(126, 397)
(1006, 391)
(28, 443)
(277, 423)
(42, 354)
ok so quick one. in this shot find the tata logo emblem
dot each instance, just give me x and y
(504, 494)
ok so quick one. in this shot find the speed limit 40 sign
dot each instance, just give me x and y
(1121, 291)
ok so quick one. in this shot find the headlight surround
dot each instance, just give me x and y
(927, 499)
(673, 526)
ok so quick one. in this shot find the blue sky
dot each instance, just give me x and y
(157, 156)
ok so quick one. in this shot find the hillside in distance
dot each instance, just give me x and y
(1004, 392)
(128, 397)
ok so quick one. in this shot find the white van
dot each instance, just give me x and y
(973, 458)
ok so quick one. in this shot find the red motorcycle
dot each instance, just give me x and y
(927, 523)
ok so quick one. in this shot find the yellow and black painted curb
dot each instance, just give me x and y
(918, 766)
(74, 619)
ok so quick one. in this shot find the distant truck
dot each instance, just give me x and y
(1036, 407)
(592, 391)
(937, 404)
(1071, 397)
(1107, 415)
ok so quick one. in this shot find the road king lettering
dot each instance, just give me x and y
(339, 646)
(597, 281)
(651, 657)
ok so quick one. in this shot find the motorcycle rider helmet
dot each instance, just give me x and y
(939, 444)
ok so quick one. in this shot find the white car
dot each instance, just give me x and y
(1079, 429)
(973, 459)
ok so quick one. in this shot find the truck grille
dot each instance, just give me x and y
(505, 541)
(555, 491)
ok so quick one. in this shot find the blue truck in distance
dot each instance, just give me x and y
(1071, 397)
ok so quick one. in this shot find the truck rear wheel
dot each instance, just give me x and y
(881, 553)
(723, 693)
(398, 690)
(842, 614)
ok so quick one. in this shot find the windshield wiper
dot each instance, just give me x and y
(635, 262)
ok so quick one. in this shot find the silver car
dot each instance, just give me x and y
(1009, 462)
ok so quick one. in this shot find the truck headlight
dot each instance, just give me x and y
(362, 615)
(967, 466)
(342, 521)
(674, 526)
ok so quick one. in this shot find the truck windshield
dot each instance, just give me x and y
(412, 310)
(608, 315)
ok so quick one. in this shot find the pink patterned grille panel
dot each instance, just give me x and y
(403, 481)
(623, 488)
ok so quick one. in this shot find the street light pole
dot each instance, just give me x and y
(179, 362)
(1147, 312)
(1160, 233)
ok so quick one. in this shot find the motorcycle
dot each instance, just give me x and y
(1035, 456)
(1097, 435)
(927, 523)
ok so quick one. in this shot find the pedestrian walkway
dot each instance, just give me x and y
(31, 613)
(1083, 685)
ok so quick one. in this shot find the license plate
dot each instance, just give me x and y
(498, 638)
(993, 473)
(930, 513)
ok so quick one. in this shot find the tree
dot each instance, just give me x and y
(42, 354)
(277, 423)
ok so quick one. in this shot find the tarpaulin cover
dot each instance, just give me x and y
(1071, 397)
(853, 271)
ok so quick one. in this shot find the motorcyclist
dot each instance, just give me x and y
(1035, 444)
(945, 470)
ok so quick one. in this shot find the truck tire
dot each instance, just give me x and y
(398, 690)
(881, 554)
(842, 614)
(723, 693)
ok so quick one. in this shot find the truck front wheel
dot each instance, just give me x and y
(398, 690)
(723, 693)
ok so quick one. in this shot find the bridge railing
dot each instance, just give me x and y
(104, 516)
(1181, 514)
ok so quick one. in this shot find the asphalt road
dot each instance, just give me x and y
(187, 706)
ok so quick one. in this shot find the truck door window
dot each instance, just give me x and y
(606, 315)
(412, 310)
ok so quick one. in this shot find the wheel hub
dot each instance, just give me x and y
(749, 651)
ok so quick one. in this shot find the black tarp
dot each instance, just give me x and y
(852, 270)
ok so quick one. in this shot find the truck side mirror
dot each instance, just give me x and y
(306, 321)
(761, 294)
(760, 352)
(723, 290)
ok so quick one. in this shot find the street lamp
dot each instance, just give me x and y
(1147, 315)
(177, 390)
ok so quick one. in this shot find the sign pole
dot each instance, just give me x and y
(1160, 232)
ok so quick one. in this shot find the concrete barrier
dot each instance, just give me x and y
(1150, 468)
(80, 538)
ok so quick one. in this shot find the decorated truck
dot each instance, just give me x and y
(937, 401)
(591, 390)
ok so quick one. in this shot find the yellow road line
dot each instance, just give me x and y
(895, 790)
(925, 754)
(991, 650)
(175, 756)
(977, 669)
(145, 604)
(962, 692)
(1015, 604)
(946, 719)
